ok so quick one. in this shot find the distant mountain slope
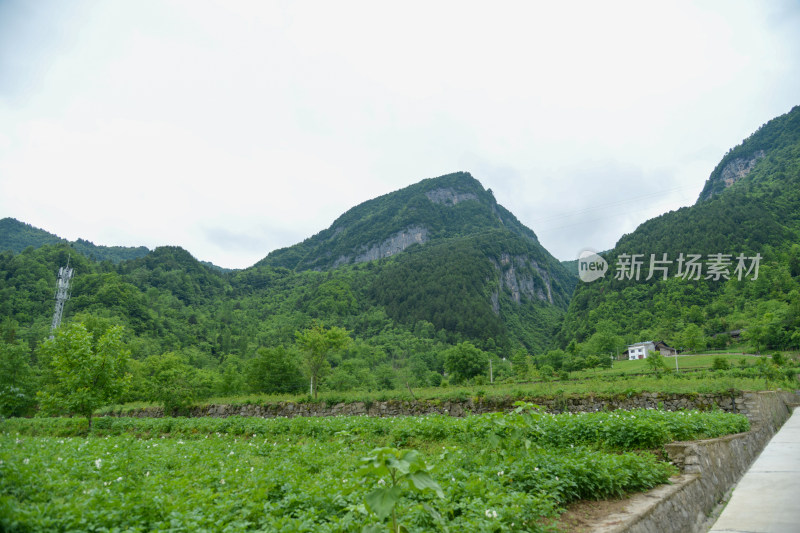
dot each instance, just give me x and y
(454, 205)
(758, 212)
(467, 264)
(741, 160)
(16, 236)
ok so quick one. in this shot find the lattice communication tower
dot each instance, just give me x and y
(62, 295)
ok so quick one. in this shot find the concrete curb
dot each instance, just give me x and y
(709, 469)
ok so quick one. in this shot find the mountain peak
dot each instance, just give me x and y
(779, 132)
(453, 205)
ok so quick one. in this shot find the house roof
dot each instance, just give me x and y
(640, 344)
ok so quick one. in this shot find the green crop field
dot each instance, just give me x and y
(498, 472)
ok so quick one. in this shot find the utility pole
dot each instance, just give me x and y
(62, 295)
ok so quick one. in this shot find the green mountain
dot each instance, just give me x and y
(467, 264)
(409, 274)
(16, 236)
(455, 205)
(749, 207)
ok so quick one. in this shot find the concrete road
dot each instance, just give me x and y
(767, 498)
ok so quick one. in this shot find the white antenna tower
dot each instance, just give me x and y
(62, 295)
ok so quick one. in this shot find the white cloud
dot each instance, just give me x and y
(234, 128)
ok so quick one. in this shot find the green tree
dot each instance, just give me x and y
(82, 375)
(171, 381)
(720, 363)
(316, 344)
(756, 334)
(692, 338)
(465, 361)
(767, 370)
(231, 373)
(655, 362)
(385, 377)
(520, 363)
(604, 343)
(17, 393)
(592, 361)
(274, 370)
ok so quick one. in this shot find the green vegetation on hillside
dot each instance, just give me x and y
(759, 214)
(480, 277)
(220, 332)
(16, 236)
(473, 211)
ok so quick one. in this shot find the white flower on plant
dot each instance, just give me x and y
(491, 513)
(500, 473)
(119, 478)
(98, 463)
(147, 474)
(381, 482)
(221, 481)
(26, 461)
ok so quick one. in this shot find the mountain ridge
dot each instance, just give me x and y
(750, 206)
(388, 224)
(16, 235)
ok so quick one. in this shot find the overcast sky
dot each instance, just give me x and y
(235, 128)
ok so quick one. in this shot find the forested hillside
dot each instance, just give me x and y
(750, 207)
(478, 280)
(16, 236)
(454, 205)
(429, 283)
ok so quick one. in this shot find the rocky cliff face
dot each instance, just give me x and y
(522, 276)
(732, 172)
(391, 246)
(447, 196)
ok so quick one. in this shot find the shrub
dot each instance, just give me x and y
(720, 363)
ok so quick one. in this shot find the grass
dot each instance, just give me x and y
(685, 362)
(625, 377)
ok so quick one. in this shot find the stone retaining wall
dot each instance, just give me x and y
(709, 468)
(671, 402)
